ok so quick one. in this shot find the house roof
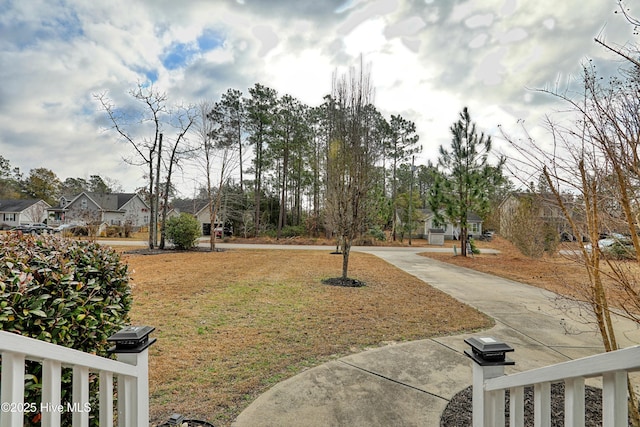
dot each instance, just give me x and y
(190, 206)
(471, 216)
(18, 205)
(110, 201)
(548, 198)
(106, 201)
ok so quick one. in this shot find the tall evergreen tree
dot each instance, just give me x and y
(260, 111)
(465, 179)
(288, 138)
(402, 145)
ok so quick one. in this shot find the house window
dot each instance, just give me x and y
(83, 204)
(474, 228)
(10, 217)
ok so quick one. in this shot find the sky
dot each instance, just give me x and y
(428, 60)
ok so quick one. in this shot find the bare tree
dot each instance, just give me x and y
(184, 120)
(351, 157)
(217, 133)
(594, 156)
(141, 126)
(143, 131)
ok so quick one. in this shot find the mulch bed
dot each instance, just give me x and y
(340, 281)
(459, 413)
(147, 251)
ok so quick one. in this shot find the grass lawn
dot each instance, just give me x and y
(232, 324)
(563, 274)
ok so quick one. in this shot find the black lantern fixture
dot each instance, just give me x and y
(486, 351)
(132, 339)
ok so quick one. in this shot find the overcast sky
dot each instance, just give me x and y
(429, 59)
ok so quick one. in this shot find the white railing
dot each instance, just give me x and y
(490, 384)
(131, 371)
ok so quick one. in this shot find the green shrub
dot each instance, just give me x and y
(377, 233)
(474, 248)
(114, 231)
(67, 292)
(183, 231)
(293, 231)
(620, 251)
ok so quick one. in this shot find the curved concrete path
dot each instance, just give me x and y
(410, 384)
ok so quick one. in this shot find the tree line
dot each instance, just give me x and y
(269, 163)
(43, 183)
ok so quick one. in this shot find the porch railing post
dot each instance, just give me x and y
(488, 355)
(12, 386)
(132, 347)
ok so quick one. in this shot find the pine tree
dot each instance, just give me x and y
(465, 179)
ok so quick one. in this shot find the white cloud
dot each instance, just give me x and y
(429, 59)
(476, 21)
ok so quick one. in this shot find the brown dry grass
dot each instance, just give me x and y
(231, 324)
(553, 273)
(562, 274)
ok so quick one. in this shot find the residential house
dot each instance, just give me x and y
(197, 208)
(108, 208)
(450, 232)
(544, 208)
(14, 212)
(426, 227)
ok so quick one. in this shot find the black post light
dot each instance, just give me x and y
(489, 357)
(131, 339)
(487, 351)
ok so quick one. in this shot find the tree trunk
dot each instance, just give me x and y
(282, 216)
(156, 196)
(346, 249)
(464, 240)
(151, 210)
(258, 188)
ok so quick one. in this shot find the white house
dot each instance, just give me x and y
(110, 209)
(14, 212)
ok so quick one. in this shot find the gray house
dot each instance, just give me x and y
(448, 230)
(108, 208)
(14, 212)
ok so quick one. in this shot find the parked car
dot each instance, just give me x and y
(486, 235)
(64, 227)
(226, 232)
(34, 228)
(615, 245)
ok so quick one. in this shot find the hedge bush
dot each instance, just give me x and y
(183, 231)
(67, 292)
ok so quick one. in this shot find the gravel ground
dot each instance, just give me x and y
(458, 412)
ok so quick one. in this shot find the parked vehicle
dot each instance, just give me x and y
(615, 245)
(486, 235)
(34, 228)
(226, 231)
